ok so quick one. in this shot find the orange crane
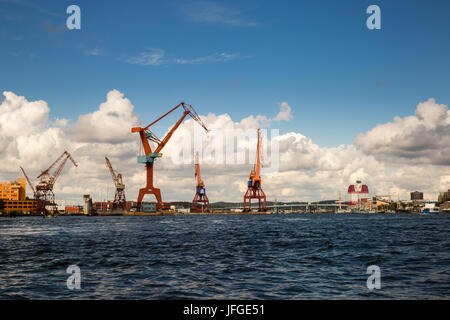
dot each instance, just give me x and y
(150, 155)
(44, 189)
(120, 201)
(254, 190)
(200, 202)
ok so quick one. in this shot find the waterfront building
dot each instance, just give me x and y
(358, 194)
(445, 207)
(444, 196)
(20, 205)
(416, 196)
(15, 190)
(380, 203)
(107, 206)
(87, 206)
(73, 209)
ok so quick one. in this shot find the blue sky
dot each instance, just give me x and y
(238, 57)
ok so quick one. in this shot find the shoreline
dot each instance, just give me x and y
(162, 213)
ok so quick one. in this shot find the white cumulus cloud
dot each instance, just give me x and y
(307, 171)
(421, 138)
(111, 123)
(285, 113)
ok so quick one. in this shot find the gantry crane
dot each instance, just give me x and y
(120, 201)
(254, 190)
(150, 155)
(44, 189)
(200, 202)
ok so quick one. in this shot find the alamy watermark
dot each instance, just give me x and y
(374, 20)
(74, 20)
(74, 280)
(374, 280)
(229, 147)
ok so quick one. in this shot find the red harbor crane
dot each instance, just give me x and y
(44, 189)
(254, 190)
(150, 155)
(119, 198)
(200, 202)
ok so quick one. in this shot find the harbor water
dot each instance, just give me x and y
(294, 256)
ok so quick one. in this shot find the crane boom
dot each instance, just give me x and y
(255, 174)
(111, 170)
(61, 166)
(166, 114)
(46, 171)
(29, 182)
(146, 134)
(258, 156)
(170, 133)
(48, 179)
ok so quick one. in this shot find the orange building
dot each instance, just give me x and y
(15, 190)
(20, 205)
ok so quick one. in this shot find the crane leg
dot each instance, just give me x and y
(255, 193)
(247, 197)
(149, 189)
(155, 191)
(200, 203)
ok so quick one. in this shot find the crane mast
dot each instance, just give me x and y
(254, 190)
(150, 155)
(200, 182)
(119, 197)
(200, 203)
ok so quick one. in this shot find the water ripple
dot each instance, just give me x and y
(300, 256)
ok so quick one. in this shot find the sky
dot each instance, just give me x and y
(355, 96)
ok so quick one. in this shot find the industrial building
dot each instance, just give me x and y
(13, 195)
(444, 200)
(416, 196)
(20, 205)
(444, 196)
(109, 205)
(380, 202)
(74, 210)
(15, 190)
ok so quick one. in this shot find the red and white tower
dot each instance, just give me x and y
(358, 193)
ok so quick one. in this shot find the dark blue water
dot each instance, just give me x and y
(296, 256)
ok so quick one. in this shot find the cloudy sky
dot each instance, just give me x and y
(349, 103)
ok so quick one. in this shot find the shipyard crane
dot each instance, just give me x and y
(119, 198)
(254, 190)
(44, 189)
(150, 155)
(29, 182)
(200, 202)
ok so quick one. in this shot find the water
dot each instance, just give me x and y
(296, 256)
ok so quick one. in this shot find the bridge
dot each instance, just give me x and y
(306, 207)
